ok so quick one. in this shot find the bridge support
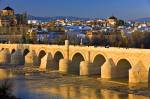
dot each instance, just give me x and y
(5, 57)
(31, 59)
(85, 68)
(138, 74)
(17, 58)
(46, 63)
(108, 69)
(64, 65)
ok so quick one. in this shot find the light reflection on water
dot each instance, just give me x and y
(39, 87)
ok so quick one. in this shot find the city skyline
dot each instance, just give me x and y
(124, 9)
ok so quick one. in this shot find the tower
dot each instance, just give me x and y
(7, 11)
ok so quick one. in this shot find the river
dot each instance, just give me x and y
(49, 86)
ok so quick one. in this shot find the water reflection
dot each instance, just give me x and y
(81, 92)
(4, 74)
(39, 87)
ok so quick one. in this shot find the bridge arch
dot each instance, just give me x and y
(39, 50)
(25, 52)
(79, 52)
(98, 53)
(2, 49)
(75, 63)
(58, 50)
(13, 50)
(129, 59)
(41, 54)
(122, 68)
(97, 62)
(57, 56)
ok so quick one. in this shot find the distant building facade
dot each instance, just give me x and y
(9, 18)
(111, 21)
(8, 11)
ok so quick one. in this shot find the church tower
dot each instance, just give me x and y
(8, 11)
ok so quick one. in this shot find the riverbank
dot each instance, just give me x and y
(93, 82)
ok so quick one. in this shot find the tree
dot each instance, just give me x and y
(146, 40)
(120, 23)
(137, 39)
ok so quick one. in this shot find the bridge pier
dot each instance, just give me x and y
(138, 74)
(85, 68)
(108, 69)
(31, 59)
(46, 62)
(17, 57)
(5, 57)
(64, 65)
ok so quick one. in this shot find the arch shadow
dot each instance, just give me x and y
(2, 49)
(98, 61)
(74, 67)
(57, 57)
(42, 53)
(25, 52)
(12, 51)
(122, 69)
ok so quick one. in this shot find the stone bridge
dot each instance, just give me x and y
(118, 63)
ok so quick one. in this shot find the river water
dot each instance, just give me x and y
(48, 86)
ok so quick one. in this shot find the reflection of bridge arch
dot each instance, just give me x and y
(75, 64)
(57, 56)
(98, 61)
(122, 68)
(41, 54)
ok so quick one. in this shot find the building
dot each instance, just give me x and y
(8, 11)
(7, 17)
(4, 22)
(111, 21)
(93, 34)
(34, 22)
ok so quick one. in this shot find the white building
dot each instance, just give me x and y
(34, 22)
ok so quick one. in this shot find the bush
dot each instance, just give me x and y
(6, 89)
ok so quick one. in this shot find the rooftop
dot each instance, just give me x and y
(8, 8)
(113, 17)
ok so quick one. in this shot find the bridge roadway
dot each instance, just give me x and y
(110, 62)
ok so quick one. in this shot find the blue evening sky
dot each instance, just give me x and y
(125, 9)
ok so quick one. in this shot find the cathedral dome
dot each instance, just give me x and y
(8, 8)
